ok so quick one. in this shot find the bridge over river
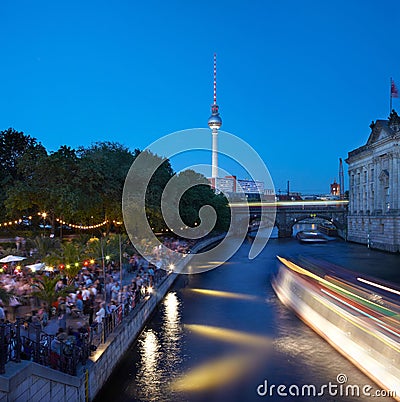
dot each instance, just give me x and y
(289, 213)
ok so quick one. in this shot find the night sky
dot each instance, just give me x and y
(300, 81)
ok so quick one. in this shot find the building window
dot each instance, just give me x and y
(372, 199)
(365, 206)
(365, 176)
(382, 228)
(387, 200)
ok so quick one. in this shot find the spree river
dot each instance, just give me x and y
(220, 335)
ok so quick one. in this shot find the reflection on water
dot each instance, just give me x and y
(220, 334)
(148, 376)
(159, 354)
(218, 372)
(172, 333)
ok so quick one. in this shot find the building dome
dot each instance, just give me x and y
(215, 121)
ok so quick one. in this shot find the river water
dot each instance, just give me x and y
(219, 335)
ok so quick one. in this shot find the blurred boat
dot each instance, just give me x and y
(310, 237)
(359, 317)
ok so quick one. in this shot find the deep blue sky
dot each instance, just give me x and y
(298, 80)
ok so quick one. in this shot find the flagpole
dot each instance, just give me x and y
(390, 108)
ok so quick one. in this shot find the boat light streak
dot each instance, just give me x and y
(379, 322)
(216, 373)
(377, 285)
(352, 321)
(227, 295)
(288, 203)
(231, 336)
(303, 271)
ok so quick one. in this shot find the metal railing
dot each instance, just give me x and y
(26, 341)
(101, 331)
(21, 341)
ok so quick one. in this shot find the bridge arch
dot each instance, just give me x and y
(317, 217)
(290, 213)
(286, 220)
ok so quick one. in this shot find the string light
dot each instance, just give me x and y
(10, 223)
(82, 227)
(72, 225)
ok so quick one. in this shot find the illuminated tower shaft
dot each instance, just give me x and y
(214, 168)
(214, 122)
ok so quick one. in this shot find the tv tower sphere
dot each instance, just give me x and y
(215, 121)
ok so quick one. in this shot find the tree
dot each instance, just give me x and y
(14, 145)
(45, 290)
(4, 294)
(45, 246)
(103, 169)
(107, 246)
(198, 194)
(47, 183)
(70, 254)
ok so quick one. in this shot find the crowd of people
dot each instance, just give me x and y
(94, 293)
(92, 303)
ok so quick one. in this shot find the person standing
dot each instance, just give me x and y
(2, 313)
(62, 315)
(115, 291)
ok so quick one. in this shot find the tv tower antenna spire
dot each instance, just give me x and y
(214, 122)
(215, 79)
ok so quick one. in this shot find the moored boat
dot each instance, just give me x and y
(328, 228)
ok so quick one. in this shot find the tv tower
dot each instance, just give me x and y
(215, 122)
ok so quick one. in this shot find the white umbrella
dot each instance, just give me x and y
(11, 258)
(36, 267)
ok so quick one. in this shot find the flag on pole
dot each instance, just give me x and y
(394, 93)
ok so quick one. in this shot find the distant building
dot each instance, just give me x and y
(374, 187)
(335, 188)
(289, 197)
(225, 184)
(253, 189)
(250, 186)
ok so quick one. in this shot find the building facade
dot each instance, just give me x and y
(335, 188)
(374, 187)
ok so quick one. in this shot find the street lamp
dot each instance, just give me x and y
(44, 214)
